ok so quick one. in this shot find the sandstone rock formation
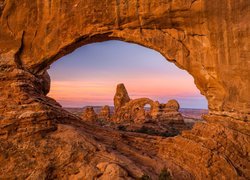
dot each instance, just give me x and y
(207, 38)
(121, 97)
(170, 111)
(105, 113)
(112, 171)
(172, 105)
(134, 110)
(89, 114)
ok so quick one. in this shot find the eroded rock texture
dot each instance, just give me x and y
(121, 97)
(208, 38)
(89, 114)
(105, 113)
(136, 110)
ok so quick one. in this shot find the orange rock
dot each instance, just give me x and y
(105, 113)
(112, 171)
(207, 38)
(172, 105)
(134, 110)
(89, 114)
(121, 97)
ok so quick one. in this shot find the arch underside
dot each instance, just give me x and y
(208, 39)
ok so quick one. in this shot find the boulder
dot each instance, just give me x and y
(89, 114)
(172, 105)
(104, 113)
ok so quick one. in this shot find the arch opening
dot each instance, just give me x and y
(89, 75)
(147, 108)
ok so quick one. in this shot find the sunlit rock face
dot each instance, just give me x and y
(208, 38)
(89, 114)
(121, 97)
(133, 110)
(105, 113)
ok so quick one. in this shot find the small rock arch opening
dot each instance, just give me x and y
(145, 105)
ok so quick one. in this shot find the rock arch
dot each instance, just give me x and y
(180, 31)
(209, 39)
(133, 110)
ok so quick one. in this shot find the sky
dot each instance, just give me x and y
(89, 75)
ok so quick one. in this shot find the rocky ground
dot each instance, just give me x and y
(195, 114)
(191, 116)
